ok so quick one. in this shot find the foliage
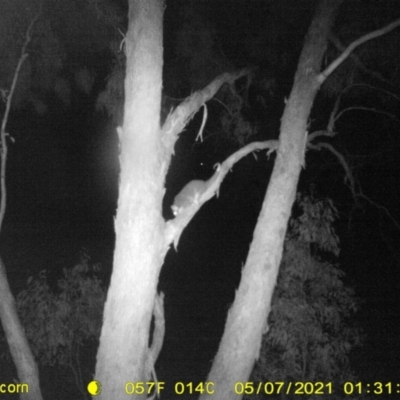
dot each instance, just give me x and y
(65, 45)
(57, 323)
(310, 329)
(46, 56)
(63, 325)
(315, 225)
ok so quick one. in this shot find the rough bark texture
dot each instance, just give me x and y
(20, 351)
(246, 321)
(123, 352)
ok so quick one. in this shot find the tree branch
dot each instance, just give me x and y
(358, 62)
(319, 133)
(340, 157)
(175, 227)
(158, 340)
(3, 134)
(365, 109)
(178, 119)
(369, 36)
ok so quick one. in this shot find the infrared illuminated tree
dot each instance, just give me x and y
(143, 237)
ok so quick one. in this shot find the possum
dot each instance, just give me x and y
(190, 194)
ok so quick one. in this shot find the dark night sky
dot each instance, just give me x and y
(62, 180)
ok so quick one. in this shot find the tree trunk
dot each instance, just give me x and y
(143, 237)
(123, 354)
(20, 351)
(246, 322)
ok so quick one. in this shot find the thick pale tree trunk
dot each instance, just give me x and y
(123, 354)
(20, 351)
(142, 236)
(246, 322)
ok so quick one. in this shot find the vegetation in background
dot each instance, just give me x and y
(311, 326)
(62, 324)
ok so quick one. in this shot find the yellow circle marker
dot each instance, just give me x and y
(94, 388)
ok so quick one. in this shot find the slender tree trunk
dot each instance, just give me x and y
(15, 334)
(123, 354)
(246, 323)
(20, 351)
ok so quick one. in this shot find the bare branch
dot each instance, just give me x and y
(200, 134)
(380, 207)
(159, 326)
(158, 340)
(3, 134)
(335, 114)
(366, 109)
(176, 226)
(358, 62)
(340, 157)
(178, 119)
(369, 36)
(316, 134)
(365, 85)
(332, 117)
